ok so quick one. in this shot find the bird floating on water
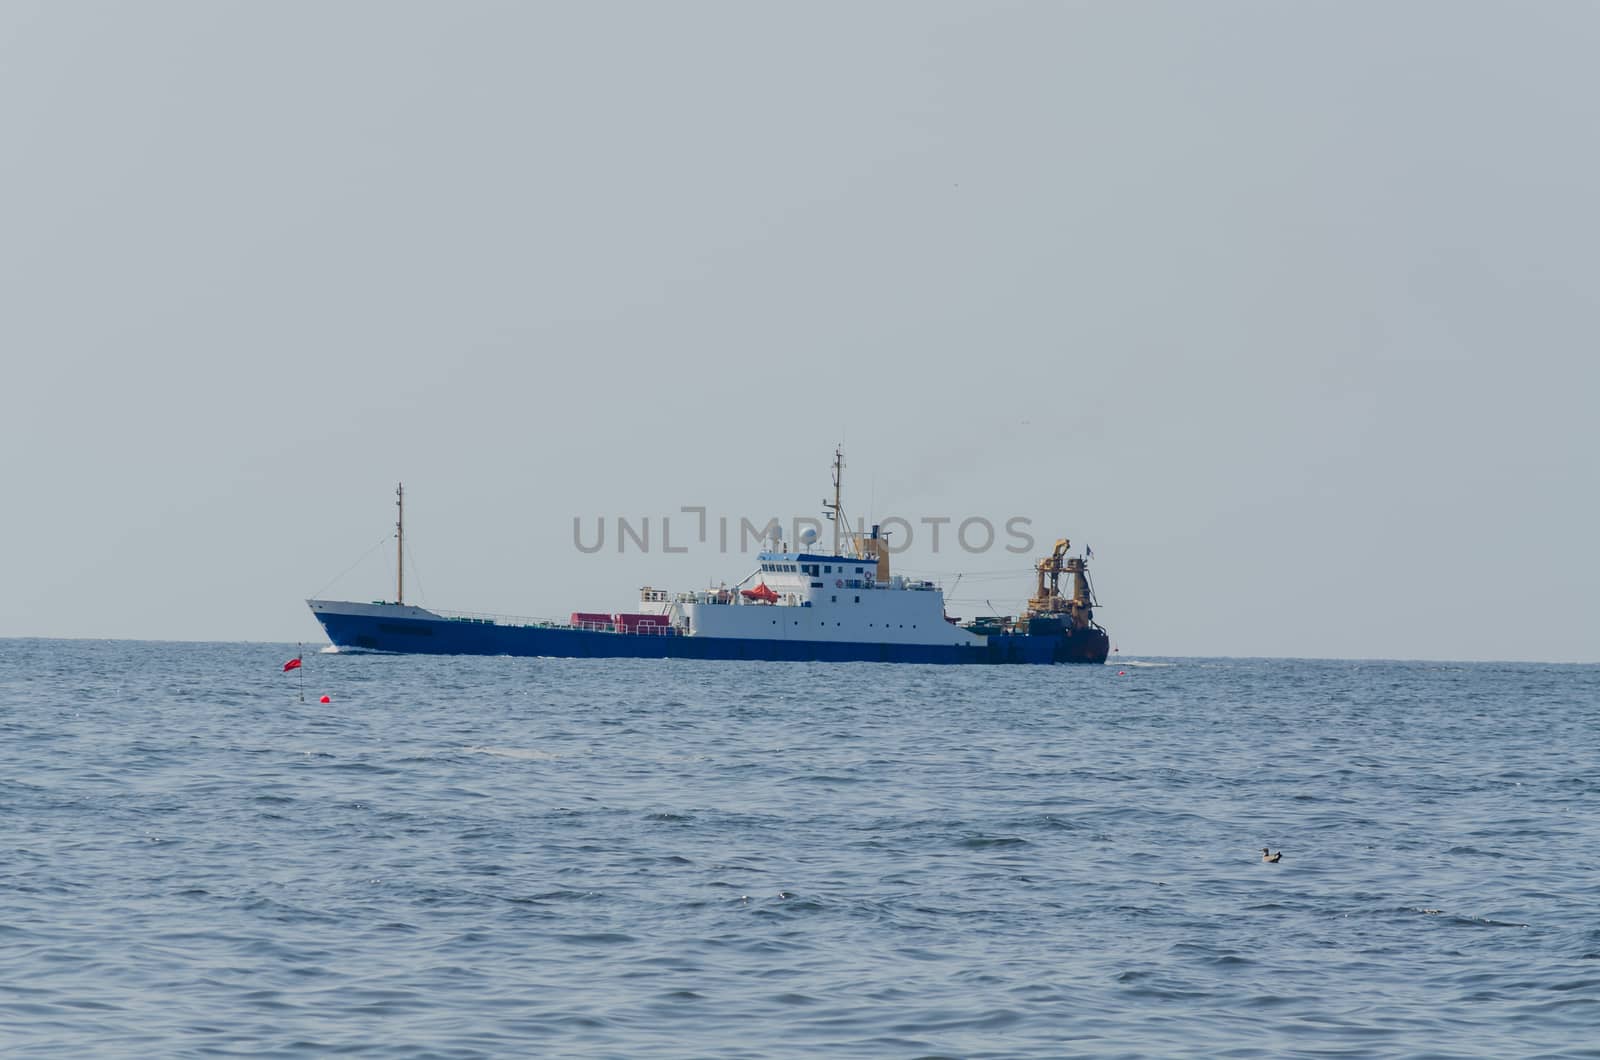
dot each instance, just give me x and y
(1274, 858)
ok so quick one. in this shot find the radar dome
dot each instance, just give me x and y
(808, 536)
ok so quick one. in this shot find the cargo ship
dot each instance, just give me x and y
(806, 605)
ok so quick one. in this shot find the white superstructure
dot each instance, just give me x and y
(814, 597)
(810, 597)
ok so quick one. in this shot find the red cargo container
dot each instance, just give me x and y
(591, 619)
(643, 623)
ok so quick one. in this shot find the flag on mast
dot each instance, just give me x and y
(292, 664)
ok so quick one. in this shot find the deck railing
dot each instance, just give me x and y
(647, 629)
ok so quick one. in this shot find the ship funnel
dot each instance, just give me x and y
(872, 547)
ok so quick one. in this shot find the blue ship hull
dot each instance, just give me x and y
(407, 632)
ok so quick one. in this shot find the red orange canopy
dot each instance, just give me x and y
(760, 592)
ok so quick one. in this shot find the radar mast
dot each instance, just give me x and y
(836, 507)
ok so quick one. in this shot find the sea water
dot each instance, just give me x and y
(474, 857)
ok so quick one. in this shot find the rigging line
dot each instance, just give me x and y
(1019, 572)
(972, 575)
(381, 542)
(416, 572)
(971, 571)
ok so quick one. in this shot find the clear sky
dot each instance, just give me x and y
(1287, 310)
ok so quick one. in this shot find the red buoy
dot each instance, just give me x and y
(325, 699)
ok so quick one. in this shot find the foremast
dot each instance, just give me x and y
(400, 543)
